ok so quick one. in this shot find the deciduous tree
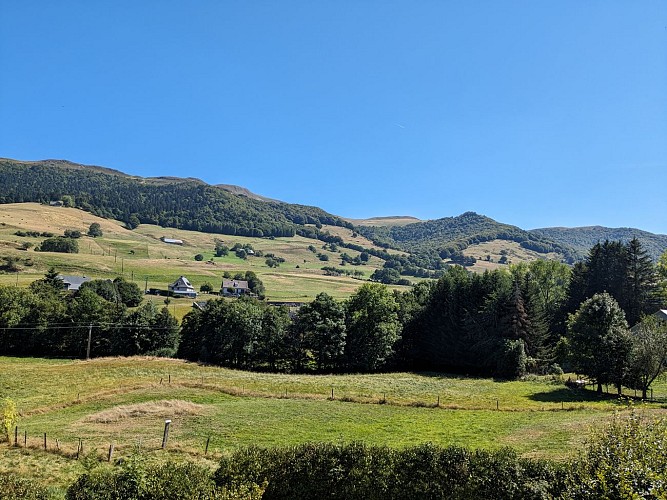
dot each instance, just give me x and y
(599, 340)
(372, 325)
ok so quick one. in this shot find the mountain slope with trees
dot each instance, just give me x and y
(450, 235)
(583, 238)
(169, 202)
(192, 204)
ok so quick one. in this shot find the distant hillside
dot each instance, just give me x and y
(450, 235)
(392, 220)
(583, 238)
(169, 202)
(241, 191)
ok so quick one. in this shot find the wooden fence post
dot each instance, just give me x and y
(165, 436)
(111, 446)
(45, 440)
(16, 435)
(208, 440)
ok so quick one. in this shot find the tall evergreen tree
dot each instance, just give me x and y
(641, 283)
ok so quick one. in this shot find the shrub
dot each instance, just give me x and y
(135, 479)
(199, 257)
(17, 488)
(72, 233)
(95, 230)
(358, 471)
(625, 459)
(9, 418)
(59, 244)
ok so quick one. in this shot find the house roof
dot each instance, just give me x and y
(235, 284)
(74, 282)
(182, 281)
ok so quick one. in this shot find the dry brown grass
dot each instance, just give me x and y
(514, 251)
(162, 409)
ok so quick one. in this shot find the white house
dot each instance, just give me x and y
(182, 288)
(234, 288)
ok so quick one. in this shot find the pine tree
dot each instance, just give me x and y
(640, 283)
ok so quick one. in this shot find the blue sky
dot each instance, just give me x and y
(535, 113)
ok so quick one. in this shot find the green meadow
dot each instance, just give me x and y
(125, 401)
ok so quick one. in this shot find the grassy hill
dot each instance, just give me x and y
(451, 235)
(392, 220)
(583, 238)
(125, 401)
(140, 255)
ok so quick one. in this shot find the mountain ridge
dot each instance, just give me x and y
(231, 209)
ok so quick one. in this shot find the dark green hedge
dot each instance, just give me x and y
(357, 471)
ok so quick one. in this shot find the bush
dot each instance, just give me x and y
(59, 244)
(625, 459)
(199, 257)
(138, 480)
(72, 233)
(9, 418)
(17, 488)
(95, 230)
(358, 471)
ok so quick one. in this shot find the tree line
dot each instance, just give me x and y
(540, 317)
(44, 320)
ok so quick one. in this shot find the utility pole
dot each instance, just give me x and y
(90, 338)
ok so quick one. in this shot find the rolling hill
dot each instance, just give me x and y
(449, 236)
(192, 204)
(581, 239)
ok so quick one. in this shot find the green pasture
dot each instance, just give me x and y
(125, 401)
(141, 256)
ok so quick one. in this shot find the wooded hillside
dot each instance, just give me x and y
(169, 202)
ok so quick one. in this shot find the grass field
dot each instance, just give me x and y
(141, 256)
(126, 400)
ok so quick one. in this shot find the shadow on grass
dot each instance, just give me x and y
(566, 395)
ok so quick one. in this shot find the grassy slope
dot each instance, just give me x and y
(140, 255)
(125, 401)
(514, 251)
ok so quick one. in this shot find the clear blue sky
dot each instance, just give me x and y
(535, 113)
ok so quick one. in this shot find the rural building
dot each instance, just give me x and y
(172, 241)
(72, 283)
(234, 288)
(660, 315)
(182, 288)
